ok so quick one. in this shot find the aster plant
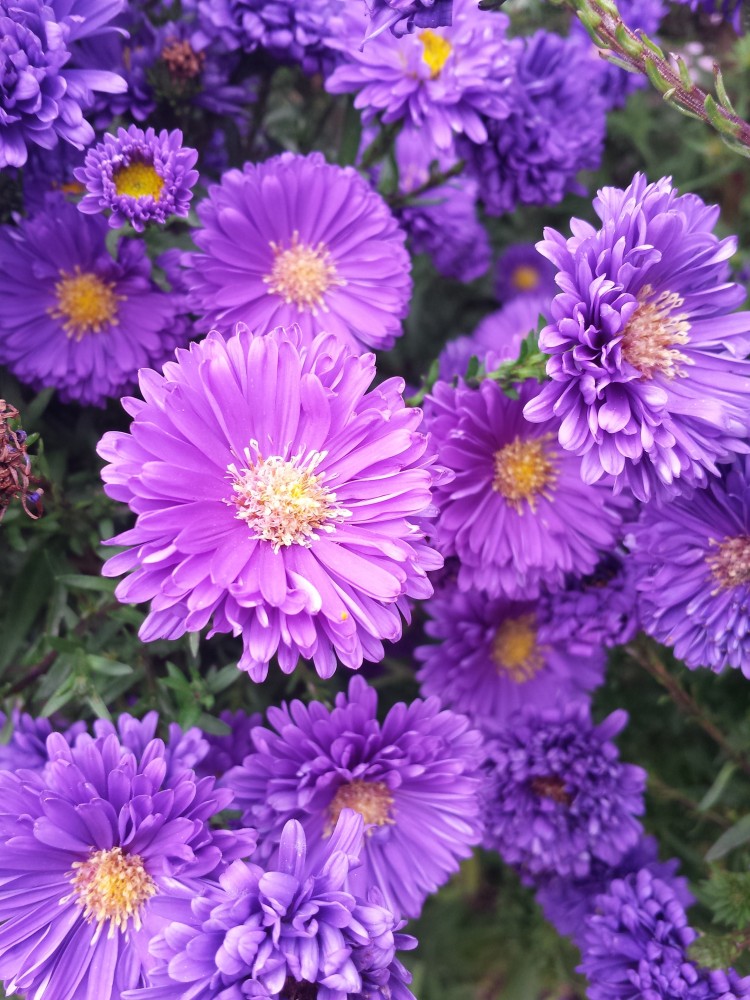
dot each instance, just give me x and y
(276, 524)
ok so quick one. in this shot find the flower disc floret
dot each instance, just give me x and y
(308, 549)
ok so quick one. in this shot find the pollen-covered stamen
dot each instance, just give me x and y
(85, 303)
(654, 328)
(181, 59)
(302, 274)
(515, 649)
(525, 278)
(552, 787)
(436, 51)
(524, 470)
(139, 180)
(730, 563)
(111, 887)
(283, 501)
(371, 799)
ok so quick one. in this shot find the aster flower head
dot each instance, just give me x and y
(140, 176)
(274, 496)
(645, 375)
(42, 94)
(75, 318)
(95, 852)
(555, 128)
(229, 750)
(514, 512)
(403, 16)
(490, 660)
(692, 566)
(558, 797)
(522, 271)
(183, 751)
(445, 82)
(26, 746)
(414, 779)
(730, 11)
(298, 240)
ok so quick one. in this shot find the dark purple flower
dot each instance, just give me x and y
(298, 240)
(645, 368)
(692, 565)
(558, 797)
(444, 83)
(404, 15)
(595, 611)
(522, 271)
(231, 749)
(26, 746)
(74, 318)
(183, 751)
(140, 176)
(514, 512)
(276, 497)
(42, 94)
(720, 10)
(490, 660)
(414, 779)
(555, 130)
(291, 930)
(94, 855)
(47, 171)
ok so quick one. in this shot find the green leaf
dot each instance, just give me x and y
(728, 895)
(719, 786)
(735, 836)
(78, 581)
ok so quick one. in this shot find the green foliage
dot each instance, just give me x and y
(728, 895)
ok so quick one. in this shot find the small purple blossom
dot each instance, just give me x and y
(403, 16)
(276, 498)
(730, 11)
(229, 750)
(74, 318)
(645, 371)
(26, 746)
(522, 271)
(514, 512)
(298, 240)
(558, 797)
(692, 565)
(140, 176)
(414, 779)
(183, 751)
(490, 660)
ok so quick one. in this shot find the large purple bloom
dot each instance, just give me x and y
(289, 931)
(414, 779)
(692, 565)
(645, 372)
(514, 513)
(42, 95)
(445, 83)
(298, 240)
(74, 318)
(275, 496)
(558, 797)
(140, 176)
(93, 853)
(556, 128)
(490, 659)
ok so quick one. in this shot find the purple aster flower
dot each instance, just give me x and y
(414, 779)
(404, 15)
(521, 271)
(445, 83)
(555, 130)
(94, 854)
(47, 171)
(635, 945)
(298, 240)
(645, 372)
(26, 746)
(291, 931)
(516, 513)
(567, 902)
(74, 318)
(141, 176)
(730, 11)
(42, 94)
(490, 660)
(558, 797)
(225, 752)
(595, 611)
(692, 565)
(276, 496)
(183, 751)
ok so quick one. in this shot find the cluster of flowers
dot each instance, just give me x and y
(281, 499)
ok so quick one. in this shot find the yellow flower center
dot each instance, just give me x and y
(525, 278)
(436, 51)
(139, 180)
(524, 469)
(112, 886)
(515, 649)
(371, 799)
(730, 564)
(302, 274)
(85, 303)
(181, 60)
(654, 328)
(283, 501)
